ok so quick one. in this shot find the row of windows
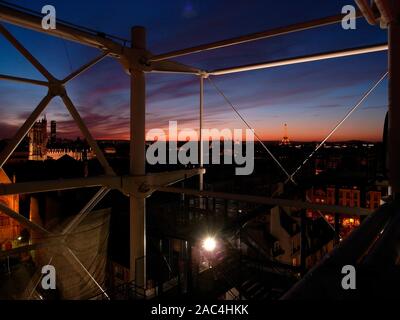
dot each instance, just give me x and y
(348, 194)
(350, 198)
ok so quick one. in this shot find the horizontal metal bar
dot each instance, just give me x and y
(177, 72)
(167, 66)
(126, 183)
(23, 80)
(54, 185)
(64, 31)
(302, 59)
(252, 37)
(33, 22)
(115, 182)
(268, 201)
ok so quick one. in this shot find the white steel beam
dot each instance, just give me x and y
(167, 66)
(60, 184)
(92, 39)
(268, 201)
(30, 21)
(303, 59)
(140, 185)
(252, 37)
(23, 80)
(85, 67)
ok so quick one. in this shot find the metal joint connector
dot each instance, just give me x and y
(56, 88)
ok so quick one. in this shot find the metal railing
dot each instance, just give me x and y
(138, 60)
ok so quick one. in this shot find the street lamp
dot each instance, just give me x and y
(209, 244)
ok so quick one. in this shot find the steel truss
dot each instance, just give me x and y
(138, 60)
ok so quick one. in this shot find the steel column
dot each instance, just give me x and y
(138, 163)
(201, 154)
(394, 106)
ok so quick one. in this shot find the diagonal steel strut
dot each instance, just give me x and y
(86, 210)
(26, 53)
(86, 133)
(22, 220)
(22, 132)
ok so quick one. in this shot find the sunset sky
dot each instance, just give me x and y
(311, 98)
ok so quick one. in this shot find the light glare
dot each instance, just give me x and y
(209, 244)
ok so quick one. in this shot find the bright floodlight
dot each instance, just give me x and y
(209, 244)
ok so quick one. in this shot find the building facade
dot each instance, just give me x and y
(43, 146)
(38, 139)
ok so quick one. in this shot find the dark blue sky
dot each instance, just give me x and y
(310, 97)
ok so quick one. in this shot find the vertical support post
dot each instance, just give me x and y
(394, 101)
(201, 153)
(137, 164)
